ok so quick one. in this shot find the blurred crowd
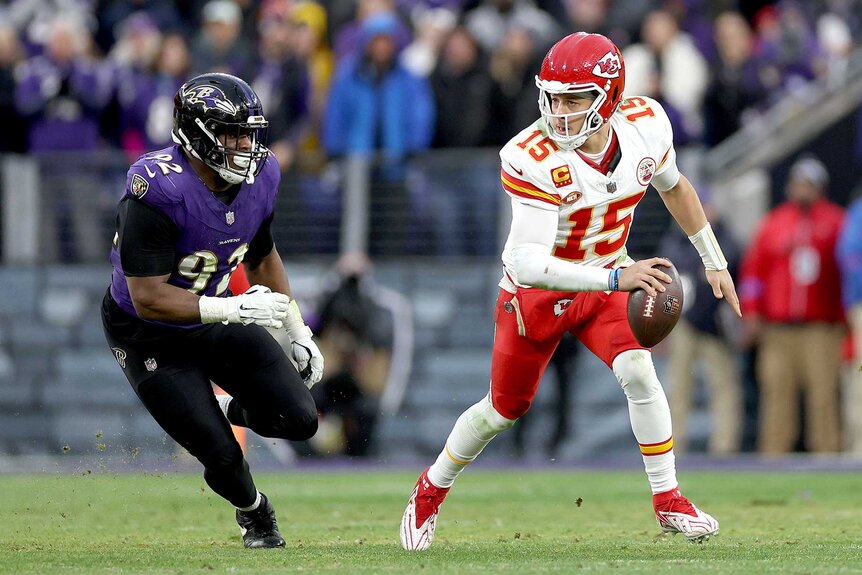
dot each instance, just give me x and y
(396, 76)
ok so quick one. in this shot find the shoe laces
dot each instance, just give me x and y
(428, 500)
(679, 504)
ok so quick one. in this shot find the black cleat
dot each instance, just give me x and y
(259, 528)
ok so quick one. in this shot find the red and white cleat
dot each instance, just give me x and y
(420, 517)
(676, 514)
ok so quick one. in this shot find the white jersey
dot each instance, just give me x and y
(595, 209)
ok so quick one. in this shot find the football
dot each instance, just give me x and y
(653, 318)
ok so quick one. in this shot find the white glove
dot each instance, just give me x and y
(306, 354)
(258, 305)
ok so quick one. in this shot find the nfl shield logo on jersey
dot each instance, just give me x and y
(229, 218)
(151, 364)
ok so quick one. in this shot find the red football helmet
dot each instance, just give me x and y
(581, 63)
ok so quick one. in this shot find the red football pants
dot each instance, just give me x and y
(529, 326)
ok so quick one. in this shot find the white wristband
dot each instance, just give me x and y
(707, 246)
(294, 324)
(213, 309)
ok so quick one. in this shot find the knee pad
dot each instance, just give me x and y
(485, 421)
(514, 406)
(636, 373)
(304, 427)
(299, 425)
(223, 458)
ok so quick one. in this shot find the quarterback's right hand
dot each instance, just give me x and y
(258, 305)
(643, 275)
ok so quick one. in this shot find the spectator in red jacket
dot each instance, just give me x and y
(791, 301)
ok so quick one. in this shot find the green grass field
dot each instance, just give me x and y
(493, 522)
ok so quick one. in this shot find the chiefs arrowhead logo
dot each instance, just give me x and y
(561, 306)
(608, 67)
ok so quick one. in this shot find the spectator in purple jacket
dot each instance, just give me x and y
(786, 41)
(348, 39)
(113, 16)
(134, 58)
(146, 97)
(63, 93)
(735, 86)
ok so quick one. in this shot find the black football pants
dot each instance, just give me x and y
(171, 368)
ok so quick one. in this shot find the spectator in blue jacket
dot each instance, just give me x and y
(848, 252)
(380, 110)
(375, 104)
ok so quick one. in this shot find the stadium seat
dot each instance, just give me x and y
(24, 283)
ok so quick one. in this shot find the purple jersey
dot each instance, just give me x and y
(212, 237)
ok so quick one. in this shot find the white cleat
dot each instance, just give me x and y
(676, 514)
(420, 517)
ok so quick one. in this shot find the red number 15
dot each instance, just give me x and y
(611, 221)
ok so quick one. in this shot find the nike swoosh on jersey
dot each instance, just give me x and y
(517, 171)
(150, 173)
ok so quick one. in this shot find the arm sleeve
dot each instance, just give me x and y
(531, 240)
(261, 244)
(146, 239)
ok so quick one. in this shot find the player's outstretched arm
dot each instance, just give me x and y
(155, 299)
(685, 207)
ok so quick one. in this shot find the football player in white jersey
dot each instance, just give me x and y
(574, 178)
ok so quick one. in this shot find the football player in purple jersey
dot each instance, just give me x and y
(190, 215)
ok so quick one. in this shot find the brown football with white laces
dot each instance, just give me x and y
(653, 318)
